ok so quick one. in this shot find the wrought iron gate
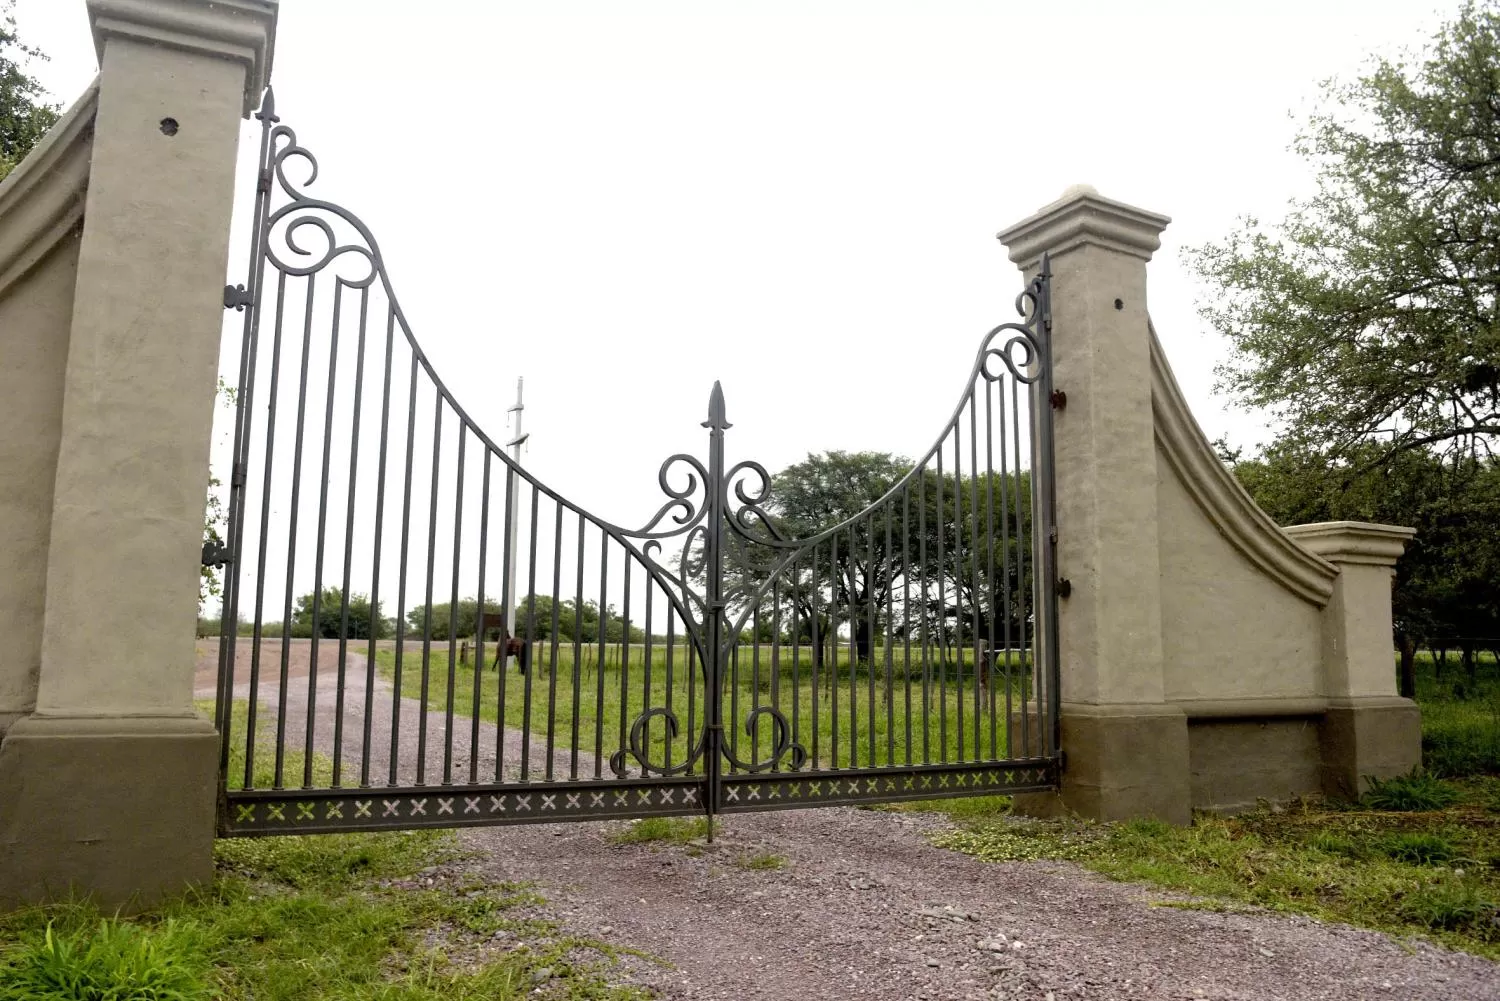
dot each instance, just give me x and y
(710, 661)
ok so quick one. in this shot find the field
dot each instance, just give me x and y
(855, 716)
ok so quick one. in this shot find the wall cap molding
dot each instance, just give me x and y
(42, 199)
(1354, 541)
(1083, 217)
(240, 30)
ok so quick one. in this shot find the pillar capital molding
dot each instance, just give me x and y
(243, 31)
(1079, 218)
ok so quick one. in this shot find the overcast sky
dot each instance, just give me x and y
(626, 201)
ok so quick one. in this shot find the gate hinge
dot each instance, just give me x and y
(1064, 587)
(1059, 399)
(1052, 535)
(237, 297)
(263, 182)
(215, 554)
(237, 475)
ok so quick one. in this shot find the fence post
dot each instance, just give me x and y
(1125, 747)
(1368, 729)
(107, 788)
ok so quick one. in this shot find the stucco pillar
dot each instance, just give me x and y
(1125, 748)
(1368, 728)
(108, 787)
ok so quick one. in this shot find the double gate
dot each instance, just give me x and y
(844, 632)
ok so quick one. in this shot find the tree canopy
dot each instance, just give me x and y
(25, 115)
(1371, 313)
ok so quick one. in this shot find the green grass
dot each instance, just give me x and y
(1460, 716)
(761, 861)
(555, 703)
(353, 917)
(666, 830)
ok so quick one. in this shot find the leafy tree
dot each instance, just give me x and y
(1371, 313)
(330, 616)
(24, 116)
(850, 573)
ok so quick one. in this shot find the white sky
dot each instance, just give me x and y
(625, 202)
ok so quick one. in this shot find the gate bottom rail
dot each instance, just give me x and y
(250, 813)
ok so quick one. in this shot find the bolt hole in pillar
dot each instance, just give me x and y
(169, 126)
(1119, 304)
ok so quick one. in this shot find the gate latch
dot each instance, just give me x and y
(215, 554)
(237, 297)
(1059, 399)
(1064, 587)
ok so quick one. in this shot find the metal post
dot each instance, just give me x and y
(515, 492)
(713, 709)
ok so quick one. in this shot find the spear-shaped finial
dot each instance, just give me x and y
(267, 111)
(716, 419)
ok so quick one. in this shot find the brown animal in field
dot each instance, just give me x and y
(507, 645)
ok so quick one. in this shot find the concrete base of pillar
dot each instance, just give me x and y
(118, 810)
(1120, 762)
(1361, 737)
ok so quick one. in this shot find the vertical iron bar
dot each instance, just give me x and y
(906, 607)
(942, 622)
(509, 627)
(578, 652)
(411, 437)
(1005, 492)
(479, 606)
(359, 383)
(989, 541)
(816, 650)
(528, 670)
(870, 639)
(890, 639)
(553, 637)
(599, 665)
(432, 506)
(958, 582)
(253, 703)
(317, 605)
(922, 621)
(458, 533)
(291, 548)
(385, 420)
(1015, 415)
(229, 593)
(833, 631)
(974, 593)
(1045, 470)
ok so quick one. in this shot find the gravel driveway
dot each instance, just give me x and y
(865, 907)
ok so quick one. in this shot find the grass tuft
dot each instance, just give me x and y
(110, 960)
(670, 830)
(762, 861)
(1420, 848)
(1418, 791)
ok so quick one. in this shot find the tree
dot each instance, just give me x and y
(1371, 313)
(365, 622)
(851, 572)
(24, 116)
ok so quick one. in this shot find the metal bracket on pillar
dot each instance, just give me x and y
(237, 297)
(215, 554)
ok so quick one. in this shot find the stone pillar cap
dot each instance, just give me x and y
(1083, 216)
(1353, 541)
(241, 30)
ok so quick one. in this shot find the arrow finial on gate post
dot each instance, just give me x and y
(717, 421)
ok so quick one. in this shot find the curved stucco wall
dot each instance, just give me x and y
(1241, 600)
(41, 217)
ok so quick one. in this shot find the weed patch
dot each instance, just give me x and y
(354, 917)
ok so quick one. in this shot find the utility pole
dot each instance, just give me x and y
(518, 439)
